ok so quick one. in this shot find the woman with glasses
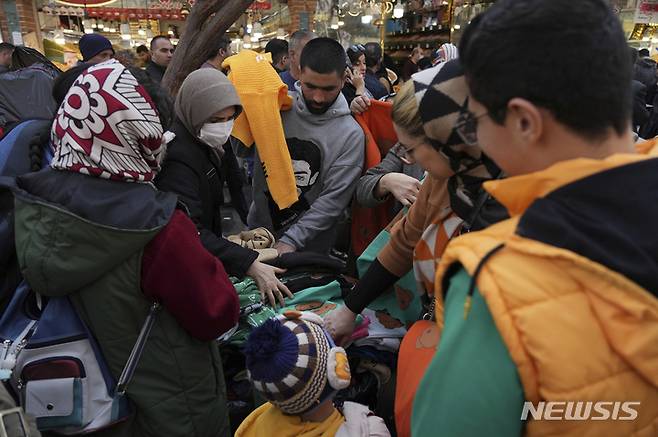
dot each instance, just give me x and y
(397, 176)
(450, 200)
(355, 85)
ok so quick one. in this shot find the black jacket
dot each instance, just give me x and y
(192, 171)
(640, 113)
(155, 71)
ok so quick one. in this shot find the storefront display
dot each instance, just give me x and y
(424, 24)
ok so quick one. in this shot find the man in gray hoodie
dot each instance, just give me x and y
(327, 150)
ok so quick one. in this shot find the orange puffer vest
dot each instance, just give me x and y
(576, 330)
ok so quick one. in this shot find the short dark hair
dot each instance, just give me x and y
(373, 54)
(568, 57)
(142, 49)
(278, 48)
(5, 47)
(222, 42)
(644, 53)
(298, 36)
(156, 39)
(324, 55)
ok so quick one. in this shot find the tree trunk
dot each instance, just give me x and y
(208, 20)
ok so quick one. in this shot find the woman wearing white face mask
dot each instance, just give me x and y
(205, 107)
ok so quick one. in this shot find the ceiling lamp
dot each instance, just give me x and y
(185, 9)
(141, 31)
(334, 22)
(170, 32)
(106, 26)
(280, 33)
(113, 28)
(398, 10)
(366, 18)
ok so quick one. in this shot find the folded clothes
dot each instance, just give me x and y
(383, 325)
(383, 344)
(309, 260)
(259, 238)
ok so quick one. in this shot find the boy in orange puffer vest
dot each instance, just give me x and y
(549, 320)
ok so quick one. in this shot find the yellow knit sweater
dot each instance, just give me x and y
(263, 95)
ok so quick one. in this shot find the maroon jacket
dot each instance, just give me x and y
(189, 282)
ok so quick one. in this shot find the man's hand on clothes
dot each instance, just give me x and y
(282, 248)
(360, 105)
(403, 187)
(268, 284)
(340, 324)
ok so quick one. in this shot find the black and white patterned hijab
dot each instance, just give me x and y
(442, 95)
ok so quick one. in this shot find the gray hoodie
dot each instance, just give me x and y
(327, 152)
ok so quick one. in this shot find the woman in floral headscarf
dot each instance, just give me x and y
(94, 228)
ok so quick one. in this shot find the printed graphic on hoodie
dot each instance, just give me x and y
(306, 163)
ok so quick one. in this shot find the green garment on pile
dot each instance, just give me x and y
(320, 300)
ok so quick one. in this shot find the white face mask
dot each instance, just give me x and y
(216, 134)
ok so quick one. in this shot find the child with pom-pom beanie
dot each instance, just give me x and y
(293, 362)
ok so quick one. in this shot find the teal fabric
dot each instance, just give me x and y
(471, 387)
(403, 302)
(320, 300)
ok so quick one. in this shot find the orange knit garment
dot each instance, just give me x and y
(263, 95)
(377, 124)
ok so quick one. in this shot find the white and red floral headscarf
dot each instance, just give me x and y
(108, 127)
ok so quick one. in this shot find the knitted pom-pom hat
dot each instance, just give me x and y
(293, 362)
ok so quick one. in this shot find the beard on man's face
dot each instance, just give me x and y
(316, 109)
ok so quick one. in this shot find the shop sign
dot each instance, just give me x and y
(85, 3)
(646, 12)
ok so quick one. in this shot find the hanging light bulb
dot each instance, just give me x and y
(334, 22)
(258, 30)
(94, 24)
(398, 10)
(141, 31)
(341, 23)
(366, 18)
(280, 33)
(125, 32)
(87, 26)
(170, 31)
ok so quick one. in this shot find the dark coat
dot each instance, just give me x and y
(193, 172)
(640, 113)
(155, 71)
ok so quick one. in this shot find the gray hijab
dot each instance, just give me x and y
(203, 93)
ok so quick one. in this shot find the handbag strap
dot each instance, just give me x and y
(138, 349)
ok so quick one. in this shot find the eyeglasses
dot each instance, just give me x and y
(467, 127)
(403, 153)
